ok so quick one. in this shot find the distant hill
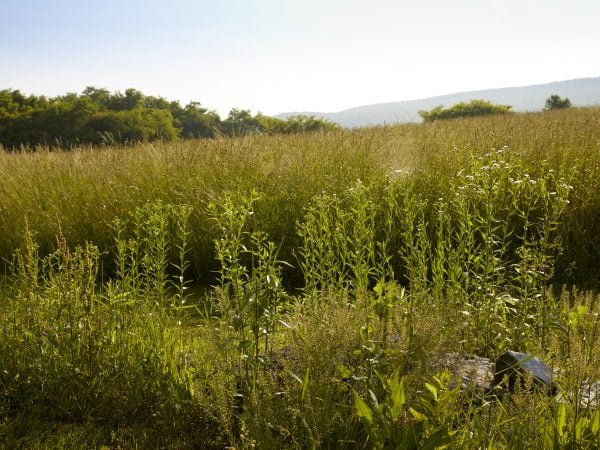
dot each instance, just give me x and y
(581, 92)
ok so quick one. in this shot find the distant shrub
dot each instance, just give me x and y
(242, 123)
(462, 109)
(302, 123)
(556, 102)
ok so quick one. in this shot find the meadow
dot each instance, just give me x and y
(298, 291)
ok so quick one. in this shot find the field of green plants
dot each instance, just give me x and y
(299, 291)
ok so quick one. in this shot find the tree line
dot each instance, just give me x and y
(98, 116)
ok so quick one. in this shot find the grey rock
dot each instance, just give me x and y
(511, 365)
(588, 395)
(472, 372)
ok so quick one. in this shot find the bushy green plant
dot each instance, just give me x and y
(391, 423)
(252, 296)
(497, 250)
(473, 108)
(556, 102)
(145, 245)
(65, 342)
(339, 245)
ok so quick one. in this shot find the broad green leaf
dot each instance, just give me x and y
(374, 400)
(379, 288)
(343, 371)
(561, 419)
(438, 439)
(580, 428)
(595, 422)
(362, 410)
(418, 416)
(398, 398)
(431, 388)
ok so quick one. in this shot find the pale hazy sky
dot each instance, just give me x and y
(286, 55)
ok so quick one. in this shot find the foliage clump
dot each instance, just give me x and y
(99, 117)
(557, 102)
(243, 123)
(473, 108)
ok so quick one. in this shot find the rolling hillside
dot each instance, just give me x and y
(581, 92)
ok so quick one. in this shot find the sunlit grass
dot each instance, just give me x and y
(338, 267)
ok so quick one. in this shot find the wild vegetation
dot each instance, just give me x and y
(99, 117)
(474, 108)
(557, 102)
(299, 291)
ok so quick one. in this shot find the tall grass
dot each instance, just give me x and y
(406, 243)
(83, 191)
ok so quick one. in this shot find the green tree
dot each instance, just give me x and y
(94, 117)
(556, 102)
(308, 124)
(128, 101)
(270, 125)
(99, 96)
(471, 109)
(135, 125)
(240, 122)
(150, 102)
(194, 121)
(13, 103)
(66, 122)
(61, 121)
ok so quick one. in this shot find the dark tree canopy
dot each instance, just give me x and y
(97, 117)
(556, 102)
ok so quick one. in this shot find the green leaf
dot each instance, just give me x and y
(561, 419)
(418, 416)
(580, 428)
(343, 371)
(431, 388)
(379, 288)
(397, 395)
(595, 422)
(374, 400)
(362, 410)
(305, 383)
(438, 439)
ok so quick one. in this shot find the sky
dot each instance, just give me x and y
(275, 56)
